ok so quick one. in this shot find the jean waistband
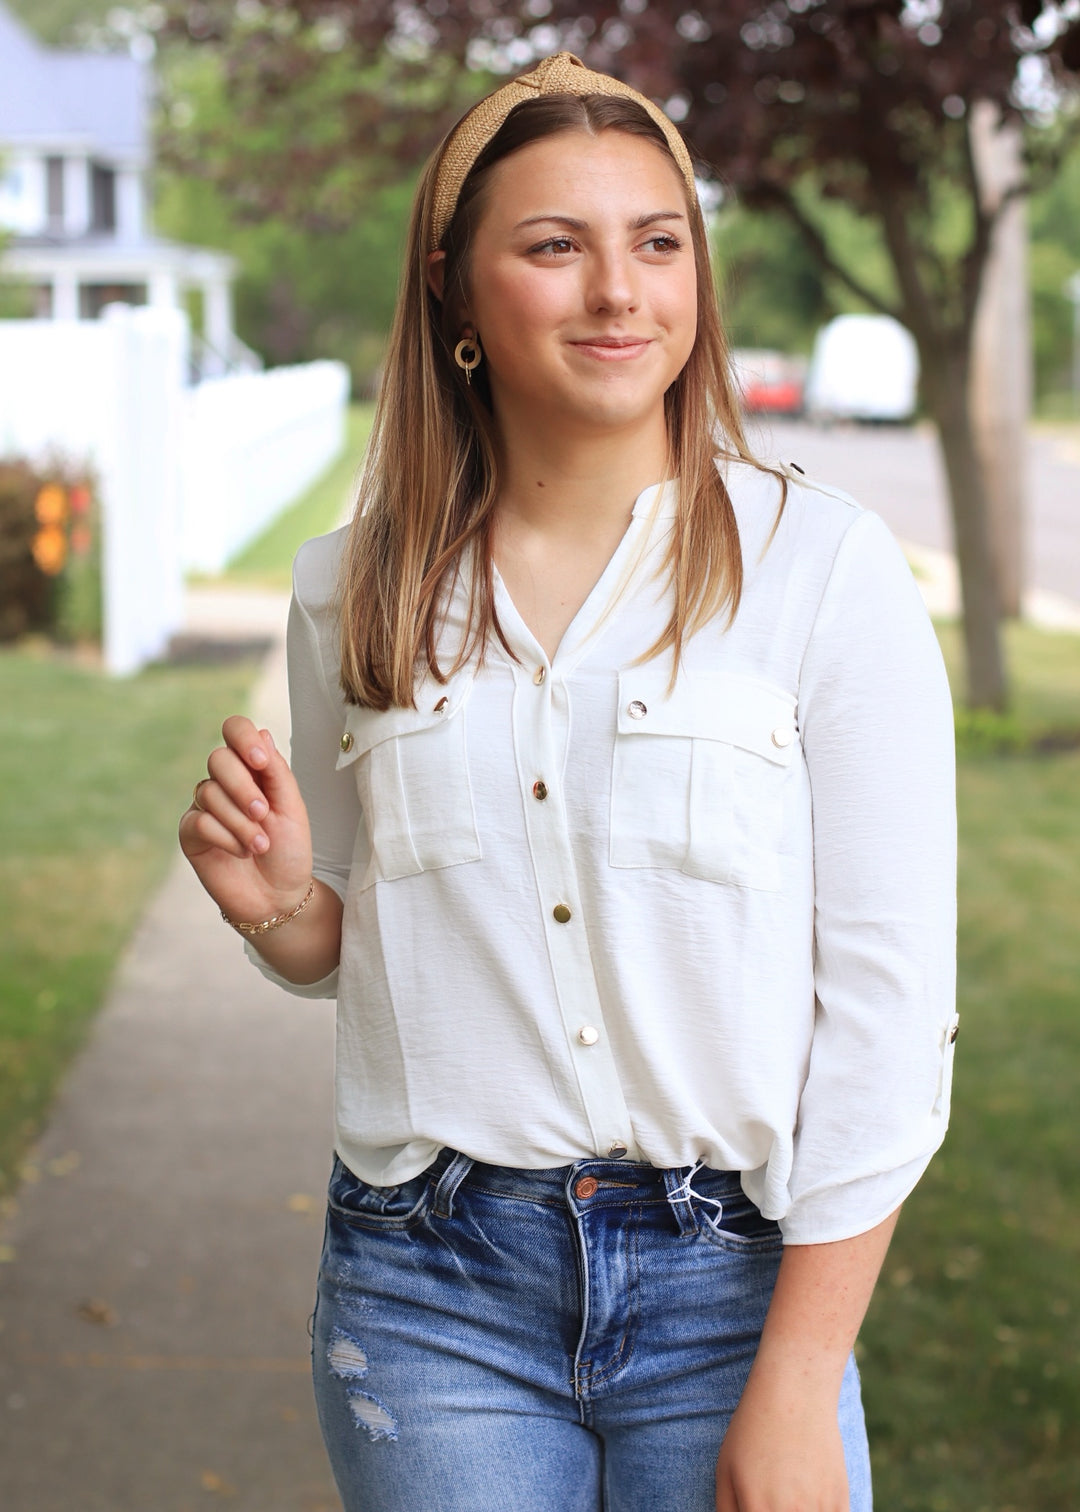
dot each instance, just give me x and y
(616, 1181)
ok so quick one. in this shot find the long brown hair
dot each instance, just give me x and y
(430, 480)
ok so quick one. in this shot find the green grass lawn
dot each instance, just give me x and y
(970, 1354)
(94, 772)
(267, 561)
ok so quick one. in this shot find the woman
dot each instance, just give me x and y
(620, 823)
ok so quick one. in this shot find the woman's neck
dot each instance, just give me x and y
(564, 504)
(557, 483)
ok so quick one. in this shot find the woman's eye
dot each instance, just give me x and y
(663, 243)
(556, 246)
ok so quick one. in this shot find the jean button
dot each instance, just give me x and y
(585, 1186)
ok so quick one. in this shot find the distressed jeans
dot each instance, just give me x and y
(567, 1340)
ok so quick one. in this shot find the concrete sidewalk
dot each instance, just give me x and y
(154, 1353)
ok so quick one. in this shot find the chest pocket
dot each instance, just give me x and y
(700, 777)
(412, 776)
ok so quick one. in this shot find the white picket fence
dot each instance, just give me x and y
(188, 475)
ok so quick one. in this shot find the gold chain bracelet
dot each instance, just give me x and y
(276, 922)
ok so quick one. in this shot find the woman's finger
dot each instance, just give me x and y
(257, 751)
(208, 830)
(276, 778)
(218, 802)
(253, 746)
(231, 774)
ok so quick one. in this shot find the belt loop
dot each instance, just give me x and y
(680, 1200)
(449, 1181)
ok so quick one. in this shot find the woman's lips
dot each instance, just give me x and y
(613, 349)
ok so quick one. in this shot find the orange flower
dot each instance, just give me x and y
(50, 506)
(79, 499)
(50, 549)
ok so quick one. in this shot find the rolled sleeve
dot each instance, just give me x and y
(877, 729)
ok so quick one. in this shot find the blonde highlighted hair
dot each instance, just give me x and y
(430, 480)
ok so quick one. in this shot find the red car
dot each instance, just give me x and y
(771, 382)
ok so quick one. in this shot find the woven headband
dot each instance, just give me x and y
(562, 74)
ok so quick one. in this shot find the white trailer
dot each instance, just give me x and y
(863, 367)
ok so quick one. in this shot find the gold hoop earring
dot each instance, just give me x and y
(468, 354)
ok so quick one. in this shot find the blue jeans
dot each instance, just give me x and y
(567, 1340)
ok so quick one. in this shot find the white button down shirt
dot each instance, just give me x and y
(586, 914)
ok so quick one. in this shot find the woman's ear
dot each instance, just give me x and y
(436, 273)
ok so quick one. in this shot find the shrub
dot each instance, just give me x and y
(50, 560)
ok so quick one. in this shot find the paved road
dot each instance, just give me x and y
(897, 472)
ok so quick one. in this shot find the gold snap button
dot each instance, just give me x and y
(540, 791)
(588, 1035)
(585, 1186)
(561, 914)
(539, 675)
(442, 705)
(637, 710)
(782, 736)
(346, 741)
(617, 1151)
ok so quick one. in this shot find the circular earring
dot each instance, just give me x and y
(467, 355)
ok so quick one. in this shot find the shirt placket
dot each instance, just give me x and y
(541, 732)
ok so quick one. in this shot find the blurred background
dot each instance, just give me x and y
(202, 208)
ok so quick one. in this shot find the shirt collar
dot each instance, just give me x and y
(657, 502)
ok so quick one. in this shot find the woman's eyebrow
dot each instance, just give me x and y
(637, 224)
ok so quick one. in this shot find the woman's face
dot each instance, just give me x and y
(582, 284)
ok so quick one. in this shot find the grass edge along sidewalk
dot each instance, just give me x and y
(94, 772)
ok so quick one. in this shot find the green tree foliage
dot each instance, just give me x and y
(1055, 258)
(316, 224)
(59, 23)
(773, 293)
(300, 296)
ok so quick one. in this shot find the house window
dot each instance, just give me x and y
(54, 193)
(102, 198)
(16, 205)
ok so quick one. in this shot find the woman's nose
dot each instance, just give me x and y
(612, 286)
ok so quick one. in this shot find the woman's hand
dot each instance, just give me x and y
(782, 1453)
(248, 837)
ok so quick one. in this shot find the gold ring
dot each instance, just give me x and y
(195, 795)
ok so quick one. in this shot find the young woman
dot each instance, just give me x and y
(620, 823)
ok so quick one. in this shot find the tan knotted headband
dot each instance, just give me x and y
(562, 74)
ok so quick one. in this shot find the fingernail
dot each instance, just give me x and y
(260, 844)
(258, 808)
(257, 755)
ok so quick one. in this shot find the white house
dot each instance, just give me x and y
(193, 460)
(74, 159)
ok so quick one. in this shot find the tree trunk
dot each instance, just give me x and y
(945, 388)
(1001, 356)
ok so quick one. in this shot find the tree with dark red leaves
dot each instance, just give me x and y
(863, 101)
